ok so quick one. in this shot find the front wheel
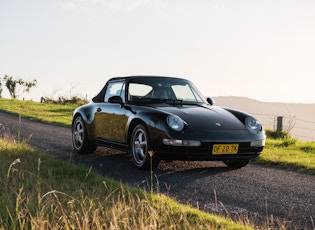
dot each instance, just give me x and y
(236, 163)
(139, 146)
(80, 140)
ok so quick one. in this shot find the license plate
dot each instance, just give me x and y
(225, 149)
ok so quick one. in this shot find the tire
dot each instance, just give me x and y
(80, 141)
(140, 143)
(236, 163)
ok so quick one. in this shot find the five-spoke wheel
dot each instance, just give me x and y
(80, 141)
(139, 147)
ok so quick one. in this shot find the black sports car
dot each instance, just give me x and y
(168, 117)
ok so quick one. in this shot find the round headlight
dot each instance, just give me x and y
(252, 124)
(175, 122)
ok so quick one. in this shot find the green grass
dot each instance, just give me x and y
(290, 154)
(40, 192)
(60, 114)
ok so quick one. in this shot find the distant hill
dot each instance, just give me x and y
(299, 119)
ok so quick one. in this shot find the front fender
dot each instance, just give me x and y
(86, 112)
(238, 114)
(153, 118)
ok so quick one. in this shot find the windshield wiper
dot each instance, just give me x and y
(164, 100)
(180, 102)
(173, 101)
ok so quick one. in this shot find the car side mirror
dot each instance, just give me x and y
(210, 100)
(115, 100)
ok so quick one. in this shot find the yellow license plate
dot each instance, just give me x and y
(225, 149)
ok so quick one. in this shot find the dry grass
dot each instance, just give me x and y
(38, 192)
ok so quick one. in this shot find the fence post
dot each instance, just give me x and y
(279, 124)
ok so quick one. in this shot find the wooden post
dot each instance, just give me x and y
(279, 124)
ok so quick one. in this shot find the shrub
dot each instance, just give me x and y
(64, 100)
(277, 134)
(289, 141)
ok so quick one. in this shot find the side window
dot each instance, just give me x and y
(116, 88)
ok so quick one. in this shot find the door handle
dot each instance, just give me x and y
(99, 110)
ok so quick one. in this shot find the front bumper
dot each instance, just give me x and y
(199, 146)
(204, 152)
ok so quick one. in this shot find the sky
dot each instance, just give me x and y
(263, 50)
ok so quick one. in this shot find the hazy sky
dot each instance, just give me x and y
(259, 49)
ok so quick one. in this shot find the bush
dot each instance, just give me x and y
(63, 100)
(286, 138)
(277, 134)
(289, 141)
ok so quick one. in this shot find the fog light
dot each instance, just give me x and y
(175, 142)
(258, 143)
(172, 142)
(191, 143)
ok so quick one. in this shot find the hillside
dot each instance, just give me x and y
(299, 119)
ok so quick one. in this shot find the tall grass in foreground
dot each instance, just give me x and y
(39, 192)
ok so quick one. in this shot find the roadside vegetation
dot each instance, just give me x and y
(46, 112)
(286, 152)
(40, 192)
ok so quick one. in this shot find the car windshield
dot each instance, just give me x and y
(162, 89)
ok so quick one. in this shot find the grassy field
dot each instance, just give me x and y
(40, 192)
(285, 153)
(60, 114)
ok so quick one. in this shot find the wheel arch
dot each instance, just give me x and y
(132, 125)
(85, 119)
(77, 114)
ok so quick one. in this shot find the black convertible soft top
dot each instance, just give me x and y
(100, 96)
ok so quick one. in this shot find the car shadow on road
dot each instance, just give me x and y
(119, 166)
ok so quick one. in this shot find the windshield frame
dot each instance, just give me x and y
(164, 83)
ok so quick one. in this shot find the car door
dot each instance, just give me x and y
(110, 118)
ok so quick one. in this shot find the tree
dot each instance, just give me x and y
(17, 87)
(0, 88)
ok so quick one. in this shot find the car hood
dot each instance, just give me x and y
(204, 117)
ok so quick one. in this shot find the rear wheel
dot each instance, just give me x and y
(236, 163)
(139, 146)
(80, 140)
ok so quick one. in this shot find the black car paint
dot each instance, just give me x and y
(110, 124)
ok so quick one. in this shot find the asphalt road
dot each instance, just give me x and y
(259, 193)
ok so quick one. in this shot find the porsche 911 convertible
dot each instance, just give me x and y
(168, 117)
